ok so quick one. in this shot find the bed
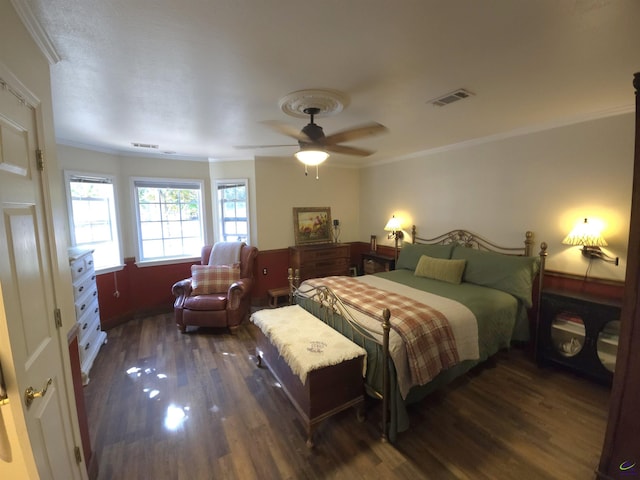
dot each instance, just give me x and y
(452, 302)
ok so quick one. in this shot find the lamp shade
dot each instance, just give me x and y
(311, 156)
(393, 225)
(586, 234)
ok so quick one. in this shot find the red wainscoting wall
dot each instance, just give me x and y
(147, 290)
(140, 290)
(605, 289)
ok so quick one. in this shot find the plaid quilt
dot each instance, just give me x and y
(426, 332)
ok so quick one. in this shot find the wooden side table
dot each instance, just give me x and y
(374, 263)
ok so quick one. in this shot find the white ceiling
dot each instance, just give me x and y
(197, 76)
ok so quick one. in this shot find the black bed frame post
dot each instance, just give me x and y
(386, 327)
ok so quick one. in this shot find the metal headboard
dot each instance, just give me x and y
(473, 240)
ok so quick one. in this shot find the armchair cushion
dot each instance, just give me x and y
(206, 279)
(206, 303)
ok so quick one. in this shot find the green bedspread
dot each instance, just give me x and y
(496, 313)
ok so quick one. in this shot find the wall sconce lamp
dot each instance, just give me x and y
(394, 226)
(588, 235)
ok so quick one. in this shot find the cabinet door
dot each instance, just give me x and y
(579, 334)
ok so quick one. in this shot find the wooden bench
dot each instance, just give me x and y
(275, 294)
(326, 389)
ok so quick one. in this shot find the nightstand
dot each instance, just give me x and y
(373, 263)
(579, 332)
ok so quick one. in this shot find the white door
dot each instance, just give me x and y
(40, 434)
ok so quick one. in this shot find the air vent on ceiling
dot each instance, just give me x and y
(459, 94)
(144, 145)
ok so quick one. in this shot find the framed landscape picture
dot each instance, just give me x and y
(312, 225)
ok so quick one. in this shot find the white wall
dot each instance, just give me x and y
(544, 182)
(237, 170)
(282, 185)
(125, 167)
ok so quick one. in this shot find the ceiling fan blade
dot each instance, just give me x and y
(355, 133)
(252, 147)
(360, 152)
(288, 130)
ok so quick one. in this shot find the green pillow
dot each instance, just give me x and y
(440, 269)
(411, 253)
(509, 273)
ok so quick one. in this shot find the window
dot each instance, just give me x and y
(169, 218)
(92, 215)
(233, 210)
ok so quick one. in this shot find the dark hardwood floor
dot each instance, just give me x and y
(165, 405)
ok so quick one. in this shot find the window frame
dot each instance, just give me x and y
(219, 231)
(69, 176)
(160, 182)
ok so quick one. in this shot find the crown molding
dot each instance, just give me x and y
(563, 122)
(39, 35)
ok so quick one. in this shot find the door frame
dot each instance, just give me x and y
(13, 421)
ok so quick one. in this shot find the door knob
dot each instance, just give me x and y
(30, 393)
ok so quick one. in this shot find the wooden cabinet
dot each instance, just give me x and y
(322, 260)
(374, 263)
(580, 332)
(85, 293)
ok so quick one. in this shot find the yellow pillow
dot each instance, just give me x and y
(440, 269)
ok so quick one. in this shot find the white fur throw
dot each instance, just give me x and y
(305, 342)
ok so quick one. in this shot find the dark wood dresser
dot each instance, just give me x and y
(322, 260)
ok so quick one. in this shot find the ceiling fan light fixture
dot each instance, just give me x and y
(311, 156)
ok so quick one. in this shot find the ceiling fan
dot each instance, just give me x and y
(314, 145)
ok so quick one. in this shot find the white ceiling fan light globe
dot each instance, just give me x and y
(312, 157)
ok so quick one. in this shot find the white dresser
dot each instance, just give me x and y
(85, 293)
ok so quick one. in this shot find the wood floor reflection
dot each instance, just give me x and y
(165, 405)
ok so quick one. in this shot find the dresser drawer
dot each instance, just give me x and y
(84, 284)
(81, 266)
(320, 254)
(83, 303)
(338, 266)
(89, 342)
(89, 320)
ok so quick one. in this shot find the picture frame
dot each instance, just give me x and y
(312, 225)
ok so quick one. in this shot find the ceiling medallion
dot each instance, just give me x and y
(328, 102)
